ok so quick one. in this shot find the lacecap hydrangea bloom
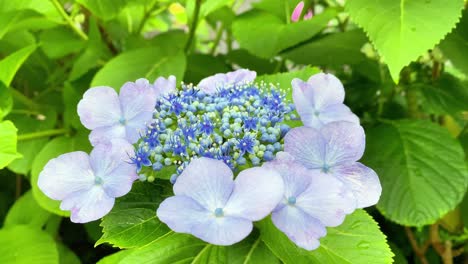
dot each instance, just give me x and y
(227, 147)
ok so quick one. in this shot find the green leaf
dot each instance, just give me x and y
(104, 9)
(331, 50)
(24, 245)
(256, 25)
(454, 46)
(30, 148)
(171, 248)
(116, 257)
(53, 149)
(147, 63)
(251, 250)
(421, 168)
(66, 255)
(23, 19)
(447, 96)
(59, 42)
(11, 63)
(26, 211)
(281, 8)
(132, 221)
(200, 66)
(403, 30)
(95, 51)
(8, 137)
(357, 240)
(246, 60)
(6, 101)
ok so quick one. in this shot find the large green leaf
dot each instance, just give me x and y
(8, 137)
(358, 240)
(275, 34)
(183, 248)
(24, 245)
(421, 168)
(60, 41)
(147, 63)
(10, 65)
(26, 211)
(132, 221)
(331, 50)
(200, 66)
(402, 30)
(30, 148)
(13, 21)
(53, 149)
(455, 44)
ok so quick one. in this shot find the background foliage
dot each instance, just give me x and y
(404, 65)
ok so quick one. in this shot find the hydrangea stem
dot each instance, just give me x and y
(40, 134)
(193, 27)
(67, 18)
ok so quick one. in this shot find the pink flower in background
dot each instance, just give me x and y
(298, 11)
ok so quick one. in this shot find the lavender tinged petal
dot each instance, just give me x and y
(363, 182)
(326, 90)
(99, 107)
(136, 98)
(307, 146)
(345, 142)
(301, 228)
(163, 86)
(337, 112)
(256, 193)
(295, 176)
(88, 205)
(223, 231)
(136, 126)
(326, 199)
(111, 163)
(207, 181)
(105, 134)
(65, 175)
(181, 213)
(211, 84)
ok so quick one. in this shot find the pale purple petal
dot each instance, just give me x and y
(297, 12)
(256, 193)
(105, 134)
(165, 86)
(210, 85)
(136, 98)
(99, 107)
(326, 199)
(181, 213)
(65, 175)
(136, 126)
(88, 205)
(363, 182)
(207, 181)
(345, 142)
(304, 106)
(223, 231)
(307, 146)
(337, 112)
(111, 163)
(295, 176)
(301, 228)
(326, 90)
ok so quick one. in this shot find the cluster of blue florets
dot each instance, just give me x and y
(242, 125)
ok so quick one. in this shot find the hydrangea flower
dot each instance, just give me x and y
(111, 115)
(311, 202)
(320, 101)
(334, 150)
(86, 184)
(212, 206)
(211, 84)
(241, 124)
